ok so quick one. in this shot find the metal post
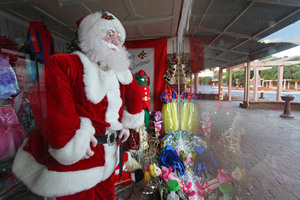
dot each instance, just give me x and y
(229, 84)
(255, 86)
(248, 83)
(220, 84)
(279, 82)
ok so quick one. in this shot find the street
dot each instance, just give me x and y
(239, 94)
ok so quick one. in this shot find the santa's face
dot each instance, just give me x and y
(105, 47)
(114, 39)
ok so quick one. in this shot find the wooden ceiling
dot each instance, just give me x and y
(230, 29)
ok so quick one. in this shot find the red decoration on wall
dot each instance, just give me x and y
(160, 64)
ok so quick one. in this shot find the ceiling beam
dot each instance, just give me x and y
(264, 30)
(274, 63)
(281, 3)
(228, 50)
(47, 14)
(87, 8)
(233, 34)
(221, 59)
(136, 22)
(204, 15)
(229, 25)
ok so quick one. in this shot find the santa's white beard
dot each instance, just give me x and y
(105, 55)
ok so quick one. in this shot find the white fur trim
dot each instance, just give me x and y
(117, 171)
(76, 148)
(95, 88)
(95, 20)
(129, 156)
(133, 121)
(133, 177)
(48, 183)
(125, 76)
(114, 104)
(97, 82)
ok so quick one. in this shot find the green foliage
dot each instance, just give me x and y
(204, 80)
(240, 75)
(74, 45)
(291, 72)
(296, 76)
(269, 74)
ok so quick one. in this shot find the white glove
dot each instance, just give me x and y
(124, 134)
(89, 151)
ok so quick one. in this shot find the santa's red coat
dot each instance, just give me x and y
(74, 100)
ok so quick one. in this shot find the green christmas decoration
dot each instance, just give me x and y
(106, 16)
(74, 45)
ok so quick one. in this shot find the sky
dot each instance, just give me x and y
(291, 34)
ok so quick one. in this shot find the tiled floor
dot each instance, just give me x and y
(260, 141)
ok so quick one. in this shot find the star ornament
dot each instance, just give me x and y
(106, 16)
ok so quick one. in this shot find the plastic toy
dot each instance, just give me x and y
(166, 174)
(223, 177)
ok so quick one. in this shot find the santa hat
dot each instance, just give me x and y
(141, 73)
(103, 19)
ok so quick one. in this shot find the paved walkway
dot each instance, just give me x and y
(260, 141)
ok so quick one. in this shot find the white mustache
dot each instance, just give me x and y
(112, 46)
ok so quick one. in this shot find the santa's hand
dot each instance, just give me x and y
(124, 134)
(89, 151)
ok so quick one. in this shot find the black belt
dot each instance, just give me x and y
(110, 139)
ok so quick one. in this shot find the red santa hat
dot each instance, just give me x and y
(103, 19)
(142, 72)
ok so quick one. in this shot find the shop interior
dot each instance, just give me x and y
(195, 140)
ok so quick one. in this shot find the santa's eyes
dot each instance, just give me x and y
(109, 34)
(114, 36)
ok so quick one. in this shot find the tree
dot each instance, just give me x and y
(240, 75)
(291, 72)
(269, 74)
(204, 80)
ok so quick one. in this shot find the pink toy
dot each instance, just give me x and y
(166, 174)
(12, 133)
(223, 177)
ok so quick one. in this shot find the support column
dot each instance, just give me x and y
(245, 104)
(296, 85)
(271, 84)
(220, 84)
(229, 84)
(289, 85)
(178, 56)
(255, 81)
(279, 82)
(245, 91)
(284, 84)
(196, 81)
(248, 83)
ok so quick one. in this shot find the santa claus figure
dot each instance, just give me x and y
(78, 109)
